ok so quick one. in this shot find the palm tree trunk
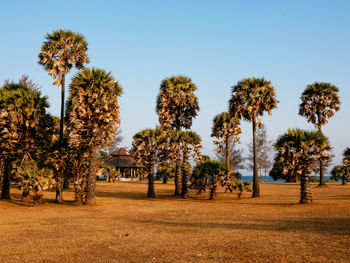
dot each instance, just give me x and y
(213, 191)
(91, 179)
(228, 153)
(150, 192)
(5, 191)
(59, 189)
(178, 177)
(62, 107)
(256, 188)
(305, 189)
(322, 182)
(343, 181)
(65, 182)
(78, 191)
(184, 192)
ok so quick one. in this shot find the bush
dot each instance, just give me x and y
(314, 179)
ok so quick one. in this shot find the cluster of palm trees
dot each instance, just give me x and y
(91, 118)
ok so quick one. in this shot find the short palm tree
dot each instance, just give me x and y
(62, 50)
(147, 147)
(93, 114)
(177, 105)
(319, 102)
(226, 130)
(190, 144)
(340, 172)
(24, 126)
(346, 157)
(297, 151)
(208, 174)
(251, 97)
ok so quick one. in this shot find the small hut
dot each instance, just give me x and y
(125, 163)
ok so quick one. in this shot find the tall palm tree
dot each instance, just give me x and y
(24, 126)
(251, 97)
(297, 151)
(226, 130)
(177, 105)
(93, 117)
(319, 102)
(62, 50)
(147, 147)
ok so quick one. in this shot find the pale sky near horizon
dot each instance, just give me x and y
(216, 43)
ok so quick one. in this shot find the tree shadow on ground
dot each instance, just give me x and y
(330, 226)
(17, 200)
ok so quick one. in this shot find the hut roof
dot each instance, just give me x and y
(121, 158)
(120, 152)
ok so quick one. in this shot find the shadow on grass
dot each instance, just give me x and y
(17, 200)
(332, 226)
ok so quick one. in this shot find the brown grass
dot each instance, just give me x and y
(125, 226)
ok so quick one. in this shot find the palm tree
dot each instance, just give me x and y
(177, 105)
(346, 157)
(190, 143)
(226, 130)
(251, 97)
(319, 102)
(208, 174)
(62, 50)
(147, 147)
(93, 114)
(297, 151)
(340, 172)
(25, 127)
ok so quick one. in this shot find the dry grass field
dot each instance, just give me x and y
(125, 226)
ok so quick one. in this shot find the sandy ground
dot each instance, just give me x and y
(125, 226)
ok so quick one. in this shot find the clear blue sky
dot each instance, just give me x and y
(216, 43)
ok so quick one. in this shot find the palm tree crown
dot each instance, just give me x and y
(176, 103)
(62, 50)
(346, 157)
(251, 97)
(226, 130)
(320, 101)
(93, 107)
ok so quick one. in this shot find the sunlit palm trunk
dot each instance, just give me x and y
(184, 192)
(150, 192)
(91, 179)
(305, 190)
(228, 153)
(59, 188)
(178, 177)
(60, 179)
(5, 192)
(78, 192)
(62, 107)
(322, 182)
(256, 188)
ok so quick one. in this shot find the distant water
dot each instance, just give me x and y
(269, 179)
